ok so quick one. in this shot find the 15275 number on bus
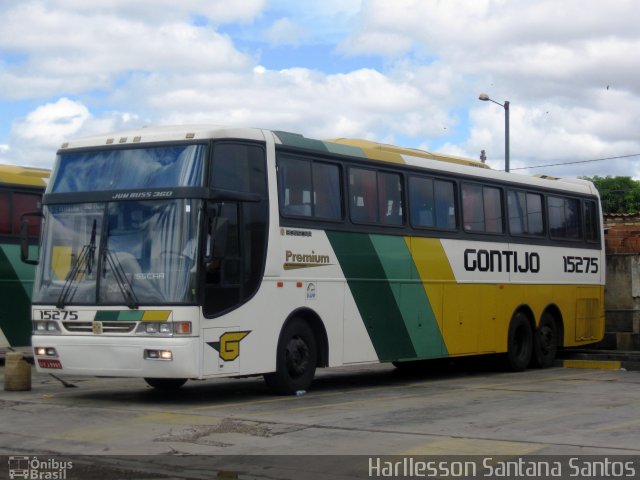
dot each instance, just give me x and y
(58, 315)
(580, 264)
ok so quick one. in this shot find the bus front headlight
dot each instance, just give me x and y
(44, 327)
(164, 329)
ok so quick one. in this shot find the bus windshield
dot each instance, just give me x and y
(130, 168)
(132, 253)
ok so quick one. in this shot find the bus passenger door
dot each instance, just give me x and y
(222, 259)
(235, 227)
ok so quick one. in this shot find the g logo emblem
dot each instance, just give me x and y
(229, 345)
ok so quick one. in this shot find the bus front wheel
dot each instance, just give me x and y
(166, 384)
(545, 342)
(520, 343)
(296, 359)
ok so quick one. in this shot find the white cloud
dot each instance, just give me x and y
(360, 103)
(51, 123)
(285, 32)
(100, 48)
(569, 70)
(160, 61)
(157, 11)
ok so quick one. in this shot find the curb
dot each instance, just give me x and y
(596, 364)
(600, 359)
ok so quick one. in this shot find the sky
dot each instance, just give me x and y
(406, 72)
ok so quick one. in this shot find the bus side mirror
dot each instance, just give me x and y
(24, 237)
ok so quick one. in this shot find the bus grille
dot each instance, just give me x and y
(107, 327)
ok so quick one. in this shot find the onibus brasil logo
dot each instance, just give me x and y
(34, 468)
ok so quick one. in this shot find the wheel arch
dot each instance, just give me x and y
(319, 332)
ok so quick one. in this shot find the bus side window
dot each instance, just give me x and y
(535, 221)
(590, 221)
(5, 217)
(492, 198)
(295, 186)
(421, 206)
(432, 202)
(362, 190)
(516, 206)
(390, 198)
(472, 208)
(23, 203)
(482, 208)
(327, 195)
(564, 218)
(445, 204)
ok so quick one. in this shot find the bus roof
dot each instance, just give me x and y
(364, 149)
(27, 176)
(385, 152)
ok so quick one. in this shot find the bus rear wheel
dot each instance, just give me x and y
(545, 342)
(520, 343)
(296, 359)
(166, 384)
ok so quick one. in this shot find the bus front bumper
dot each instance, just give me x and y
(117, 356)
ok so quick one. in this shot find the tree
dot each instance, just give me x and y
(617, 194)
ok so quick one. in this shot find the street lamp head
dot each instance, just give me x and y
(485, 98)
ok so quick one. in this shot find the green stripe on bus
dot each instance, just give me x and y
(106, 316)
(297, 140)
(119, 315)
(410, 295)
(15, 296)
(373, 295)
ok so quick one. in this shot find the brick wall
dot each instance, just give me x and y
(623, 233)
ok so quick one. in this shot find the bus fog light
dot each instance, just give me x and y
(46, 352)
(158, 355)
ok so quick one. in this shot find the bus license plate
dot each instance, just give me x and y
(46, 363)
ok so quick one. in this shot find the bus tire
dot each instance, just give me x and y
(296, 359)
(520, 343)
(545, 342)
(166, 384)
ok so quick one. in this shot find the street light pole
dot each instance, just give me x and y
(484, 97)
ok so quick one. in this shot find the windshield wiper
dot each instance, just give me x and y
(84, 262)
(121, 279)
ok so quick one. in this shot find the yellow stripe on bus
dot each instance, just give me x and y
(156, 315)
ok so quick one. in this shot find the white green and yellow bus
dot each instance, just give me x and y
(202, 252)
(21, 190)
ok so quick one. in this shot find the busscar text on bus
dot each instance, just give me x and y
(201, 252)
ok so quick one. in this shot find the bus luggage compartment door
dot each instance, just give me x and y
(221, 351)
